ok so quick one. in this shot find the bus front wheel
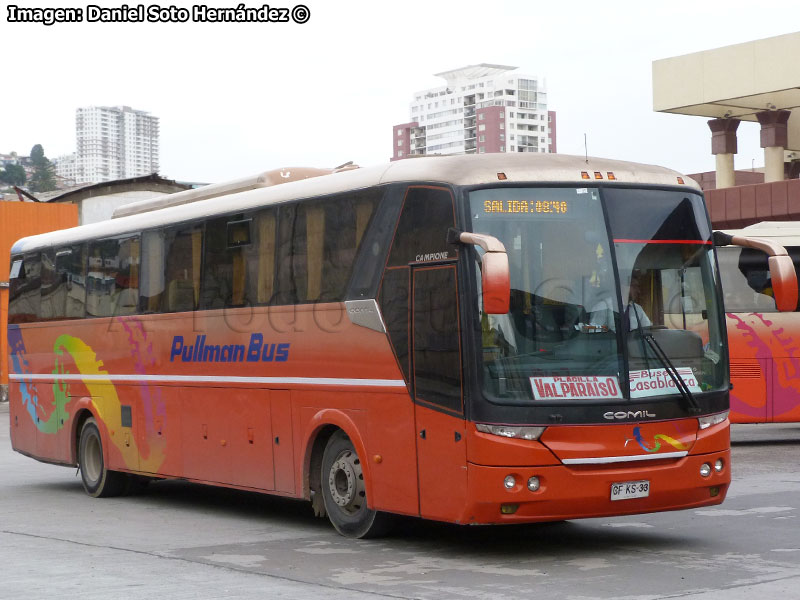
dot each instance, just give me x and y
(98, 481)
(344, 491)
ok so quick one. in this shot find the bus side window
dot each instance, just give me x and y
(292, 283)
(53, 300)
(260, 258)
(153, 271)
(344, 221)
(127, 276)
(182, 272)
(63, 283)
(422, 230)
(231, 257)
(328, 234)
(113, 277)
(24, 298)
(218, 266)
(71, 266)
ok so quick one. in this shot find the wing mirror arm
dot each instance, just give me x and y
(495, 278)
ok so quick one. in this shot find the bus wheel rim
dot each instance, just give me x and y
(93, 460)
(346, 482)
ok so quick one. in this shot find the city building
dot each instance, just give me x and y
(67, 172)
(112, 143)
(98, 201)
(479, 109)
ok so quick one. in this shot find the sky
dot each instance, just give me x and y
(236, 99)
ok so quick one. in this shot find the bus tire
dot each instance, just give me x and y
(98, 481)
(344, 491)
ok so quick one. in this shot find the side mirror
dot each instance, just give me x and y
(496, 281)
(781, 267)
(784, 282)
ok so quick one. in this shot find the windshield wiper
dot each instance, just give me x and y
(691, 402)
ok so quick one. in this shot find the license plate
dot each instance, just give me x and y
(626, 490)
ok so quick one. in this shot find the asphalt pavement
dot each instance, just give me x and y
(181, 540)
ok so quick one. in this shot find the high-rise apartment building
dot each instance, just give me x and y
(112, 143)
(480, 109)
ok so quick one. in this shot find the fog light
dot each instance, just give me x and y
(705, 470)
(533, 483)
(713, 491)
(509, 482)
(718, 466)
(508, 509)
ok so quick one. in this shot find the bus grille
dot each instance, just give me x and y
(745, 370)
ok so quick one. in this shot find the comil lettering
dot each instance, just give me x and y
(631, 414)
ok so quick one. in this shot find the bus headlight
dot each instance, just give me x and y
(511, 431)
(705, 469)
(533, 484)
(509, 482)
(708, 421)
(719, 465)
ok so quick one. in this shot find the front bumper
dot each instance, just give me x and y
(584, 491)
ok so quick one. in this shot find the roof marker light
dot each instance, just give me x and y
(502, 176)
(611, 176)
(585, 175)
(598, 175)
(681, 181)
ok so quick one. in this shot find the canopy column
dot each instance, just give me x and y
(723, 147)
(774, 138)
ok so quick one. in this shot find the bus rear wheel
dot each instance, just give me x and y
(344, 491)
(98, 481)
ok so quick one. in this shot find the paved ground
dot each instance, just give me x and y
(178, 540)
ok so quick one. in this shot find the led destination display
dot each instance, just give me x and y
(516, 207)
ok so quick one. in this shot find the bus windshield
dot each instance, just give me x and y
(613, 295)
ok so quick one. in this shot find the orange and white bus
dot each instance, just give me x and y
(473, 339)
(765, 358)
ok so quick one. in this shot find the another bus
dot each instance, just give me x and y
(765, 358)
(443, 337)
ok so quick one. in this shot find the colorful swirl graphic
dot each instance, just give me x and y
(637, 435)
(144, 452)
(44, 416)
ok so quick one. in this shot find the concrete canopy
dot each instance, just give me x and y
(736, 81)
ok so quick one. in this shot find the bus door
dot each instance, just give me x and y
(419, 303)
(437, 389)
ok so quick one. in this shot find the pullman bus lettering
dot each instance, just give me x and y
(201, 351)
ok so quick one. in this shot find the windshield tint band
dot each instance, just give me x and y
(703, 242)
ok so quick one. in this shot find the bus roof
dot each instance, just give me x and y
(457, 170)
(787, 233)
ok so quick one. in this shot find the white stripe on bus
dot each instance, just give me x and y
(49, 377)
